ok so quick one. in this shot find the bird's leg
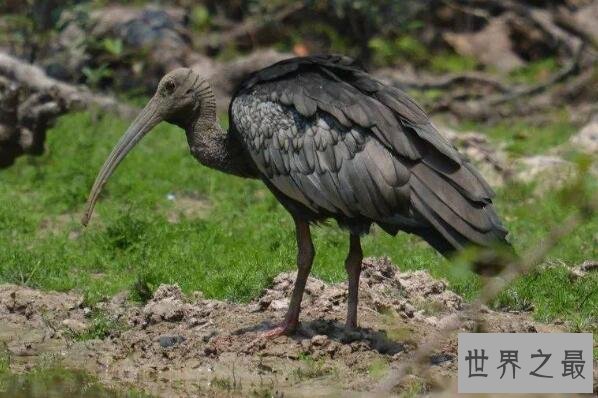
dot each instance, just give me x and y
(305, 258)
(353, 267)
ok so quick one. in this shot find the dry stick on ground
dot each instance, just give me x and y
(491, 288)
(35, 79)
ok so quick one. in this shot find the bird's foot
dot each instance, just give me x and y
(284, 328)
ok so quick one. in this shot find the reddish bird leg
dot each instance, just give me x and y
(305, 258)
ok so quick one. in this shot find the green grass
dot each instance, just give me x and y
(239, 245)
(525, 138)
(101, 326)
(312, 368)
(535, 71)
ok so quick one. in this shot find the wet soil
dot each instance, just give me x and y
(176, 345)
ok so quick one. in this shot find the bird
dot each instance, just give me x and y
(330, 142)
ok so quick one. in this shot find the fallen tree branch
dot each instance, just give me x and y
(485, 108)
(569, 69)
(30, 102)
(74, 97)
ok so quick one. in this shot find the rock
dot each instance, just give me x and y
(166, 310)
(170, 341)
(550, 172)
(155, 40)
(586, 140)
(439, 358)
(589, 265)
(583, 269)
(490, 46)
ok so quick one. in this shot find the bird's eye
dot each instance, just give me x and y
(168, 86)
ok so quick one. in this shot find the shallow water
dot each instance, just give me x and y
(57, 383)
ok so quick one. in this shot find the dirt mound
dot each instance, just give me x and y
(180, 346)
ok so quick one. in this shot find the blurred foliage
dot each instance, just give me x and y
(380, 33)
(200, 18)
(534, 71)
(451, 62)
(56, 381)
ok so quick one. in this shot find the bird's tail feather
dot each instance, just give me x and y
(457, 217)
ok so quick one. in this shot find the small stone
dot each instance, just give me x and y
(589, 265)
(170, 341)
(583, 269)
(437, 359)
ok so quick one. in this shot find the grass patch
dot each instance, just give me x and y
(378, 368)
(534, 72)
(246, 240)
(412, 388)
(452, 63)
(101, 326)
(524, 138)
(311, 369)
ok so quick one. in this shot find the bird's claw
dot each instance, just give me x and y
(277, 331)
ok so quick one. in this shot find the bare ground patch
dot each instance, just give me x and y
(187, 346)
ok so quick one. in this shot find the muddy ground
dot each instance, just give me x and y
(175, 345)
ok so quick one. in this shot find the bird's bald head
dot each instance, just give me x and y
(179, 95)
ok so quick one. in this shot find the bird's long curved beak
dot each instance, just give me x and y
(143, 123)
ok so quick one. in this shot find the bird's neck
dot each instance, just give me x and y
(210, 144)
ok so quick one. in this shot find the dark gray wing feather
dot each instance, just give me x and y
(336, 140)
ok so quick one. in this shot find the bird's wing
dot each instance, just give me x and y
(327, 134)
(319, 163)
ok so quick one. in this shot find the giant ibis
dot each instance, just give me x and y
(329, 141)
